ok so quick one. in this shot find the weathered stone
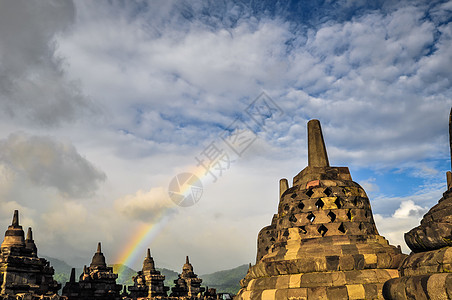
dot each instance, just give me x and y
(426, 272)
(148, 282)
(323, 235)
(96, 281)
(188, 283)
(22, 273)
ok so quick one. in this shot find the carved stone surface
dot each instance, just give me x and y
(426, 273)
(188, 284)
(322, 243)
(22, 272)
(148, 282)
(96, 282)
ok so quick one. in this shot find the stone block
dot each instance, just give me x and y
(436, 286)
(282, 282)
(356, 291)
(317, 293)
(297, 294)
(336, 292)
(269, 294)
(295, 281)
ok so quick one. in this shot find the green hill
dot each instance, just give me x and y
(170, 276)
(226, 281)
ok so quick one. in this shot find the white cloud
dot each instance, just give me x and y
(405, 218)
(146, 206)
(169, 76)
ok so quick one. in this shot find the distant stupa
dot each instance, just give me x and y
(322, 243)
(22, 272)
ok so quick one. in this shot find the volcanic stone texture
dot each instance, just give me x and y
(322, 243)
(148, 282)
(23, 275)
(427, 272)
(96, 282)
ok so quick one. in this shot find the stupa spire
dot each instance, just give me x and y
(15, 222)
(29, 234)
(148, 255)
(317, 156)
(99, 248)
(72, 278)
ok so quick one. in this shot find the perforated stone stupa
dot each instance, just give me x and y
(322, 243)
(22, 272)
(427, 272)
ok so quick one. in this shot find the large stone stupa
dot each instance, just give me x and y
(323, 242)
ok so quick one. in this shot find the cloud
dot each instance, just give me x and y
(33, 85)
(405, 218)
(147, 206)
(45, 162)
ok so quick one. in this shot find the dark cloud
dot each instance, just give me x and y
(33, 84)
(46, 162)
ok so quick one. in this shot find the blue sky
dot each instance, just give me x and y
(103, 103)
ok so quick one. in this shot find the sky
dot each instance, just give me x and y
(103, 104)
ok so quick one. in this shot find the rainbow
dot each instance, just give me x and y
(143, 236)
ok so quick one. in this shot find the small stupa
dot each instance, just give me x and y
(96, 281)
(188, 284)
(21, 270)
(426, 273)
(148, 282)
(323, 242)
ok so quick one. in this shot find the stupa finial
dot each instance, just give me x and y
(15, 222)
(99, 248)
(29, 234)
(148, 255)
(317, 156)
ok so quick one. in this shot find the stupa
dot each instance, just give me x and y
(426, 273)
(96, 282)
(323, 242)
(22, 272)
(188, 284)
(148, 282)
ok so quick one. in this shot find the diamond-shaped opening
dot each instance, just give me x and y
(327, 191)
(286, 233)
(338, 202)
(349, 215)
(322, 230)
(266, 248)
(319, 204)
(292, 218)
(332, 216)
(361, 226)
(293, 195)
(272, 239)
(356, 201)
(300, 205)
(303, 229)
(311, 217)
(366, 214)
(280, 221)
(268, 232)
(286, 207)
(309, 193)
(342, 228)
